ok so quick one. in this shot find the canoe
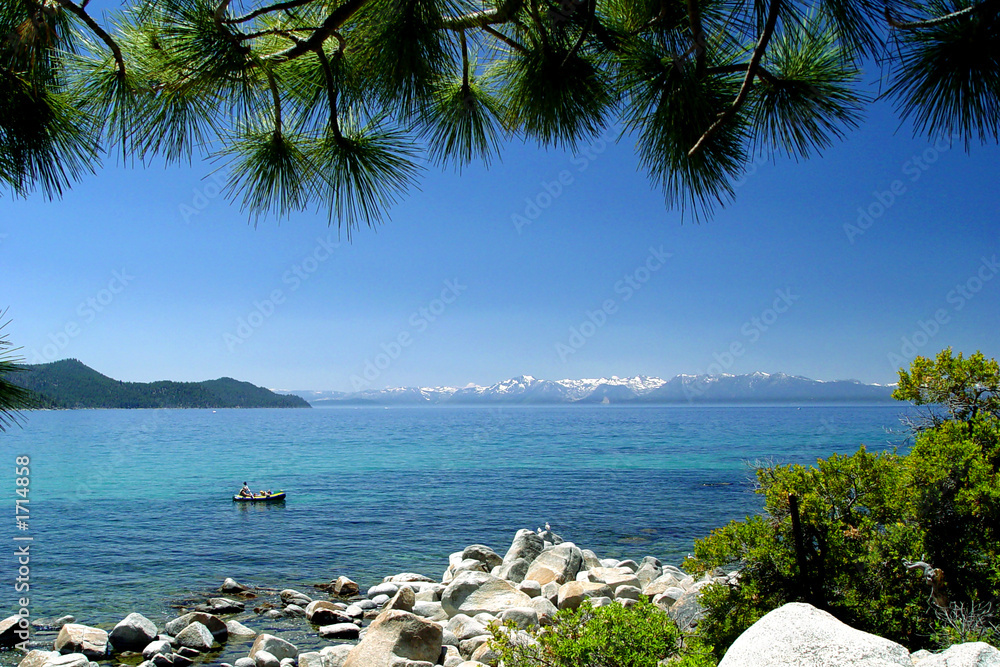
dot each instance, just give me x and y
(272, 498)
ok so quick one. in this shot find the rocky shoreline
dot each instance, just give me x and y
(412, 620)
(407, 620)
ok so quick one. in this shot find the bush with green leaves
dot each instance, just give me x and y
(610, 636)
(887, 543)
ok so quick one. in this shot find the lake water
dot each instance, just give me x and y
(131, 510)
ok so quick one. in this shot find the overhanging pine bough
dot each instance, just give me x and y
(703, 86)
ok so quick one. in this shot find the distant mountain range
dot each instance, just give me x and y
(71, 384)
(752, 388)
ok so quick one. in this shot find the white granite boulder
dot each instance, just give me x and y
(76, 638)
(799, 635)
(474, 592)
(559, 564)
(573, 593)
(132, 633)
(215, 625)
(972, 654)
(195, 636)
(396, 634)
(276, 646)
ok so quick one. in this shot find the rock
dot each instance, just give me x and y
(483, 553)
(450, 657)
(559, 564)
(486, 655)
(380, 600)
(603, 601)
(289, 662)
(609, 562)
(590, 559)
(648, 573)
(157, 647)
(292, 596)
(11, 631)
(75, 638)
(688, 610)
(195, 636)
(526, 545)
(274, 613)
(627, 593)
(431, 610)
(323, 612)
(132, 633)
(513, 570)
(265, 659)
(295, 611)
(430, 593)
(525, 618)
(383, 589)
(340, 631)
(972, 654)
(667, 598)
(469, 564)
(336, 655)
(474, 592)
(163, 660)
(345, 587)
(366, 604)
(573, 593)
(660, 584)
(277, 647)
(469, 646)
(244, 662)
(69, 660)
(530, 587)
(313, 659)
(550, 592)
(630, 564)
(799, 635)
(37, 658)
(215, 625)
(181, 660)
(221, 606)
(237, 629)
(652, 561)
(396, 633)
(409, 577)
(402, 600)
(464, 627)
(354, 611)
(471, 663)
(230, 585)
(544, 608)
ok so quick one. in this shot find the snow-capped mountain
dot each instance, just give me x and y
(525, 389)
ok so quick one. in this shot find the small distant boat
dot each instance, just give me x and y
(264, 498)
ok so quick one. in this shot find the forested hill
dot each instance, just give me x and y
(71, 384)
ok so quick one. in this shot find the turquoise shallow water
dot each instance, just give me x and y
(131, 510)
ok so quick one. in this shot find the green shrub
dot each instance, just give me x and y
(610, 636)
(841, 534)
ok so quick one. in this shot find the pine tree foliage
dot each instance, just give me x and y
(337, 105)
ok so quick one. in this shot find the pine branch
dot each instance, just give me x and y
(331, 91)
(501, 14)
(331, 25)
(116, 51)
(265, 10)
(758, 54)
(592, 4)
(517, 46)
(940, 20)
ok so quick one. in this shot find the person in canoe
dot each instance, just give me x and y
(245, 491)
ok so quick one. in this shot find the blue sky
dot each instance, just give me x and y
(147, 274)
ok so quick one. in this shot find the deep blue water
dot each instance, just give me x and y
(131, 509)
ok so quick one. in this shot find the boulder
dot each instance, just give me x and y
(11, 631)
(667, 598)
(132, 633)
(527, 545)
(276, 646)
(37, 658)
(162, 660)
(467, 647)
(340, 631)
(244, 662)
(380, 600)
(221, 606)
(396, 634)
(180, 660)
(345, 587)
(336, 655)
(75, 638)
(404, 600)
(513, 570)
(157, 647)
(688, 610)
(972, 654)
(660, 584)
(69, 660)
(389, 589)
(265, 659)
(530, 587)
(464, 627)
(486, 655)
(525, 618)
(799, 635)
(627, 593)
(550, 592)
(482, 553)
(559, 564)
(230, 585)
(450, 657)
(475, 592)
(215, 625)
(409, 577)
(544, 608)
(323, 612)
(590, 559)
(295, 610)
(237, 629)
(573, 593)
(630, 564)
(313, 659)
(431, 610)
(195, 636)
